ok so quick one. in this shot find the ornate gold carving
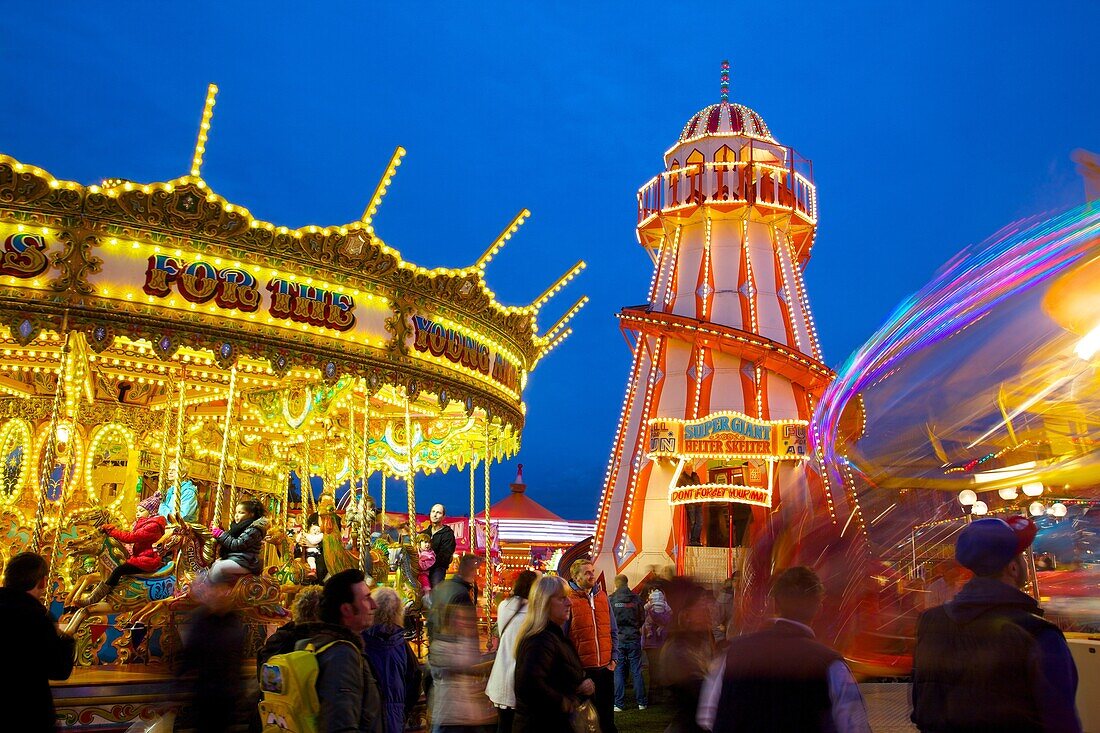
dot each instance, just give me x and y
(26, 186)
(75, 262)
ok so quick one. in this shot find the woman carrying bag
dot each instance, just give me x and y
(502, 681)
(549, 676)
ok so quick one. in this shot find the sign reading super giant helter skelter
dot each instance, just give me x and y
(727, 435)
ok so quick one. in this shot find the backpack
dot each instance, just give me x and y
(288, 683)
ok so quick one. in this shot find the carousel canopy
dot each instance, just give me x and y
(181, 325)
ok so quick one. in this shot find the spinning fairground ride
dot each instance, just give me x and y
(978, 397)
(158, 338)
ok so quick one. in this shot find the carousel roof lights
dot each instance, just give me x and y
(204, 129)
(380, 189)
(499, 242)
(560, 283)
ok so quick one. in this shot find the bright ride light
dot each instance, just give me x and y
(979, 508)
(1037, 509)
(1033, 488)
(967, 497)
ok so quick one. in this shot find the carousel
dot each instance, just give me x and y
(163, 348)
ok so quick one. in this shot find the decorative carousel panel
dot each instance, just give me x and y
(15, 452)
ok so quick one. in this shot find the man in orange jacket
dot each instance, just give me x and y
(593, 631)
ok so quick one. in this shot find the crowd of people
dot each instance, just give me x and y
(566, 651)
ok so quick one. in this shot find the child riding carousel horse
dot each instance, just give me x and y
(144, 556)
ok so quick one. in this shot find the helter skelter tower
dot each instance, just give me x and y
(726, 361)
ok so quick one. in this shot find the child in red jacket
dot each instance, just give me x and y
(144, 557)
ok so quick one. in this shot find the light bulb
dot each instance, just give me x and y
(1037, 509)
(967, 497)
(62, 433)
(1058, 510)
(1032, 488)
(1008, 494)
(979, 508)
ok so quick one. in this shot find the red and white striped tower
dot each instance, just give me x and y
(727, 364)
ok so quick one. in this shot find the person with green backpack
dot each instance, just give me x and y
(326, 684)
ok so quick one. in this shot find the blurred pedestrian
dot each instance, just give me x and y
(239, 548)
(549, 675)
(392, 659)
(458, 674)
(987, 660)
(209, 664)
(727, 596)
(501, 688)
(36, 650)
(594, 634)
(346, 684)
(458, 590)
(629, 616)
(781, 678)
(658, 616)
(688, 652)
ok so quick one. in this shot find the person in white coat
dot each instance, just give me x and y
(501, 688)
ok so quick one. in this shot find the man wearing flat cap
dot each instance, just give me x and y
(987, 660)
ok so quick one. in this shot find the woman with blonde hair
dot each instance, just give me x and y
(395, 666)
(549, 675)
(511, 614)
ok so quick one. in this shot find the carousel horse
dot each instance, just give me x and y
(257, 595)
(279, 558)
(94, 556)
(406, 575)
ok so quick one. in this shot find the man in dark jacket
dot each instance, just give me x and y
(629, 615)
(442, 539)
(987, 660)
(780, 678)
(36, 651)
(346, 685)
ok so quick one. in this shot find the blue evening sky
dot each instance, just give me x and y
(930, 126)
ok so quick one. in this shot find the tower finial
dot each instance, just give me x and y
(725, 80)
(204, 127)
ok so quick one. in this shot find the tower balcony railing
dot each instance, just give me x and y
(752, 183)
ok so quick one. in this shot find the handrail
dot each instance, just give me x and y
(755, 183)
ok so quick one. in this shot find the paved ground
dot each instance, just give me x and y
(887, 707)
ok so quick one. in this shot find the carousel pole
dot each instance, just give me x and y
(225, 442)
(473, 526)
(50, 451)
(409, 485)
(488, 532)
(179, 444)
(353, 469)
(236, 453)
(236, 465)
(326, 466)
(286, 497)
(164, 428)
(383, 507)
(306, 480)
(364, 533)
(67, 475)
